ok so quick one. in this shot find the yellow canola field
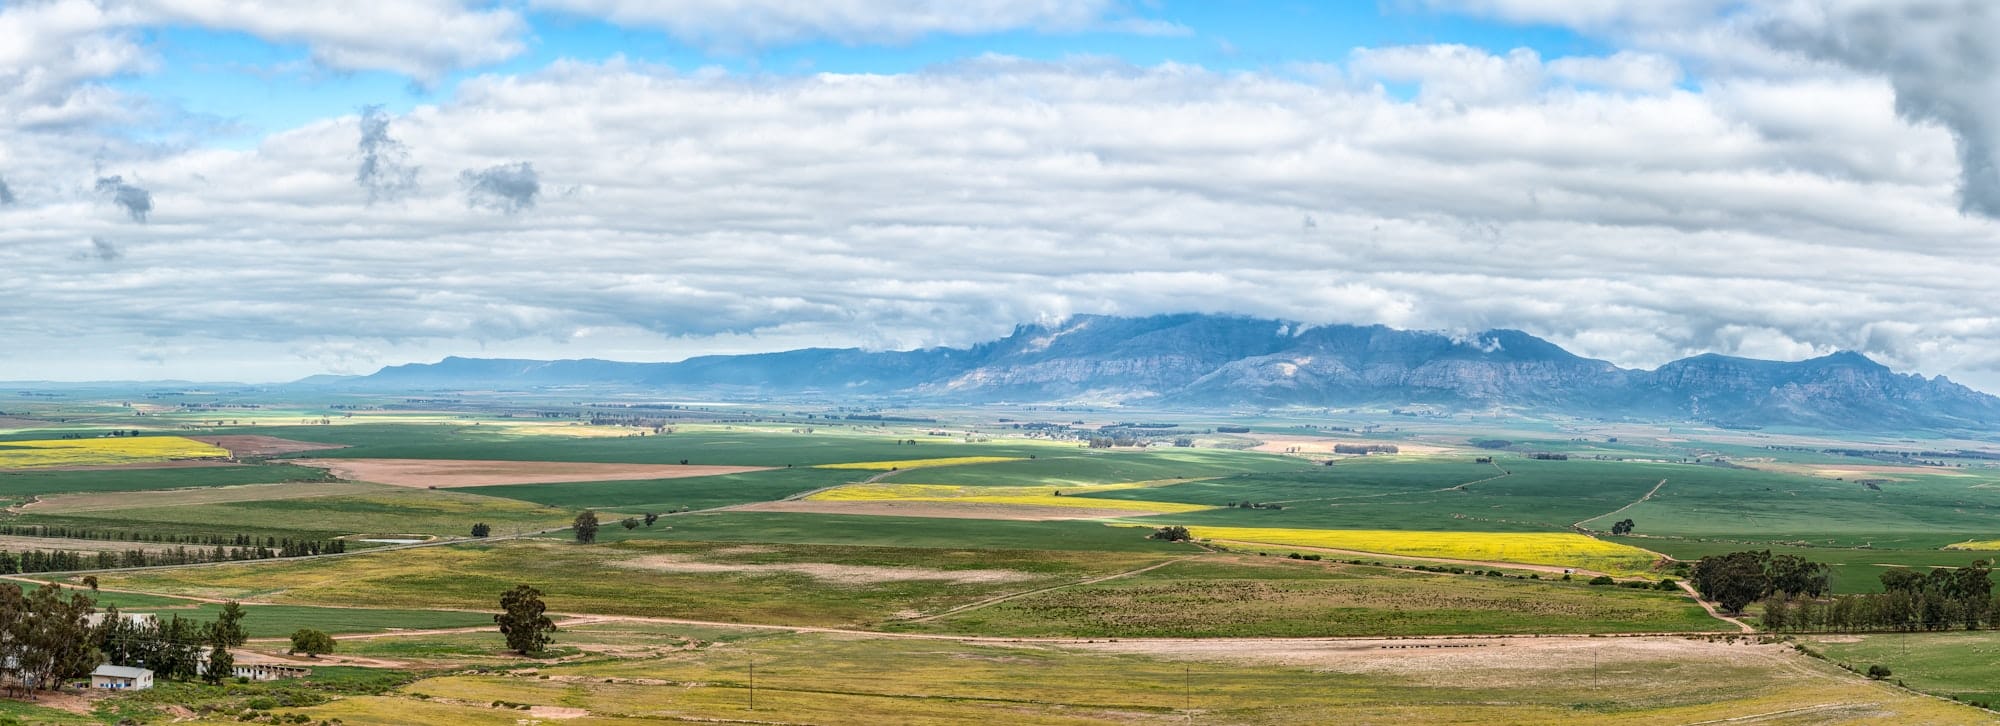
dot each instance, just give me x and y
(1558, 549)
(1985, 544)
(1040, 496)
(103, 452)
(920, 463)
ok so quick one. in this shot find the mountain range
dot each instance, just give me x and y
(1215, 361)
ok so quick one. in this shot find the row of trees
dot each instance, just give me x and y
(586, 525)
(284, 544)
(1943, 599)
(67, 561)
(1797, 594)
(177, 648)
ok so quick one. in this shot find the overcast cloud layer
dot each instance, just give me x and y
(1780, 179)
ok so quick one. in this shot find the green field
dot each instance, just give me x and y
(668, 495)
(841, 529)
(412, 511)
(1239, 597)
(21, 485)
(1962, 665)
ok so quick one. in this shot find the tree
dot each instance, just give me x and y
(1623, 526)
(1733, 580)
(651, 518)
(220, 663)
(524, 620)
(585, 526)
(481, 529)
(311, 642)
(1175, 533)
(1879, 672)
(630, 522)
(228, 627)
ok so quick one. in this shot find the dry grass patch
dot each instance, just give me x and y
(112, 501)
(825, 572)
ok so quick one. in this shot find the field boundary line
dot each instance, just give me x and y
(1013, 596)
(1642, 500)
(1786, 712)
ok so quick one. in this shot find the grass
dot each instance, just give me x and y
(667, 495)
(20, 485)
(761, 584)
(1074, 467)
(1554, 549)
(412, 511)
(912, 532)
(1029, 496)
(842, 681)
(1264, 597)
(1965, 665)
(920, 463)
(103, 452)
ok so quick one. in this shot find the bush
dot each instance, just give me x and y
(1602, 580)
(1879, 672)
(1175, 533)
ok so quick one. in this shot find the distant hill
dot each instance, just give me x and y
(1199, 361)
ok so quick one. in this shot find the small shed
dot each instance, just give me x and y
(121, 678)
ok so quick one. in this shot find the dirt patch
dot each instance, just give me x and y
(939, 510)
(17, 544)
(241, 446)
(451, 473)
(557, 713)
(106, 501)
(837, 574)
(1457, 662)
(10, 422)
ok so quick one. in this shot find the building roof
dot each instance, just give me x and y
(112, 671)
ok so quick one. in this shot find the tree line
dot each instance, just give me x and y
(67, 561)
(178, 648)
(1797, 595)
(285, 544)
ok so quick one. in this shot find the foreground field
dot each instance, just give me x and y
(640, 672)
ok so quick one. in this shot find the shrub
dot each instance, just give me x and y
(1879, 672)
(1602, 580)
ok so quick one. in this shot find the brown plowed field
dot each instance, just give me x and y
(450, 473)
(244, 445)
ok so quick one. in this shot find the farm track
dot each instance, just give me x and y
(1012, 596)
(1642, 500)
(1710, 607)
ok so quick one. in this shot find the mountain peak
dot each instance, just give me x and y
(1196, 360)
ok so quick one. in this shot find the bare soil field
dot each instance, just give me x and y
(241, 446)
(452, 473)
(826, 572)
(1494, 661)
(17, 544)
(74, 503)
(937, 510)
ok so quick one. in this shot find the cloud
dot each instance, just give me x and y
(6, 193)
(718, 212)
(740, 25)
(135, 201)
(385, 171)
(1940, 57)
(104, 250)
(507, 188)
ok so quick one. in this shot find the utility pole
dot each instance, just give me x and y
(753, 683)
(1187, 691)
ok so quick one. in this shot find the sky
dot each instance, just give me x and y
(260, 191)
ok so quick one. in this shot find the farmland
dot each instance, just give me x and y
(939, 579)
(48, 453)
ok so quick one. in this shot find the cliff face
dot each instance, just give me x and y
(1222, 361)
